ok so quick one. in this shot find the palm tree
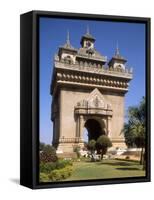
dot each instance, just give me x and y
(134, 129)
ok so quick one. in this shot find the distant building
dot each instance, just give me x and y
(87, 92)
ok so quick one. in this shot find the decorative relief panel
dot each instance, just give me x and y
(94, 104)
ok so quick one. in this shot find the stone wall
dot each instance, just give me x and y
(69, 99)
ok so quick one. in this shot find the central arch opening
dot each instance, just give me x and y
(94, 129)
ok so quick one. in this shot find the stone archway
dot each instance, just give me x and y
(95, 114)
(94, 129)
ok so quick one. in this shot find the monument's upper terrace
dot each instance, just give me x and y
(87, 67)
(84, 66)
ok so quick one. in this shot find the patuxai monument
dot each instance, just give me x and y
(87, 91)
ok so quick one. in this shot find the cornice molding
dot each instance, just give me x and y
(93, 79)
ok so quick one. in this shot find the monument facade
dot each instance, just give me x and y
(87, 92)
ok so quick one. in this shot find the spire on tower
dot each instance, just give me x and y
(68, 38)
(88, 30)
(68, 43)
(117, 53)
(117, 59)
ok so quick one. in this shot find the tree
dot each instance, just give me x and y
(42, 145)
(102, 144)
(49, 149)
(85, 146)
(48, 154)
(91, 146)
(134, 129)
(77, 151)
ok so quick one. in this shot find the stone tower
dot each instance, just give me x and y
(87, 91)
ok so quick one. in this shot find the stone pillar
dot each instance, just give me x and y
(54, 134)
(60, 115)
(109, 126)
(105, 125)
(81, 125)
(77, 126)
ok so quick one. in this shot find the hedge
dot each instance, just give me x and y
(60, 174)
(56, 175)
(54, 171)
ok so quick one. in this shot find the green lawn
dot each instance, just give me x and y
(84, 170)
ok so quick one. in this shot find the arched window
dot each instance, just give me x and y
(68, 59)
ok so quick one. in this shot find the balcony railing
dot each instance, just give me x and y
(70, 140)
(93, 69)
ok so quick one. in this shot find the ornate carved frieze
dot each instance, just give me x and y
(73, 77)
(94, 104)
(93, 111)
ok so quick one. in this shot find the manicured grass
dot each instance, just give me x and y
(85, 170)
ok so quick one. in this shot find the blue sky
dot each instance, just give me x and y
(131, 41)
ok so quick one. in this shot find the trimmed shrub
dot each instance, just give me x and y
(47, 167)
(77, 151)
(63, 163)
(102, 144)
(53, 171)
(44, 177)
(60, 174)
(55, 175)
